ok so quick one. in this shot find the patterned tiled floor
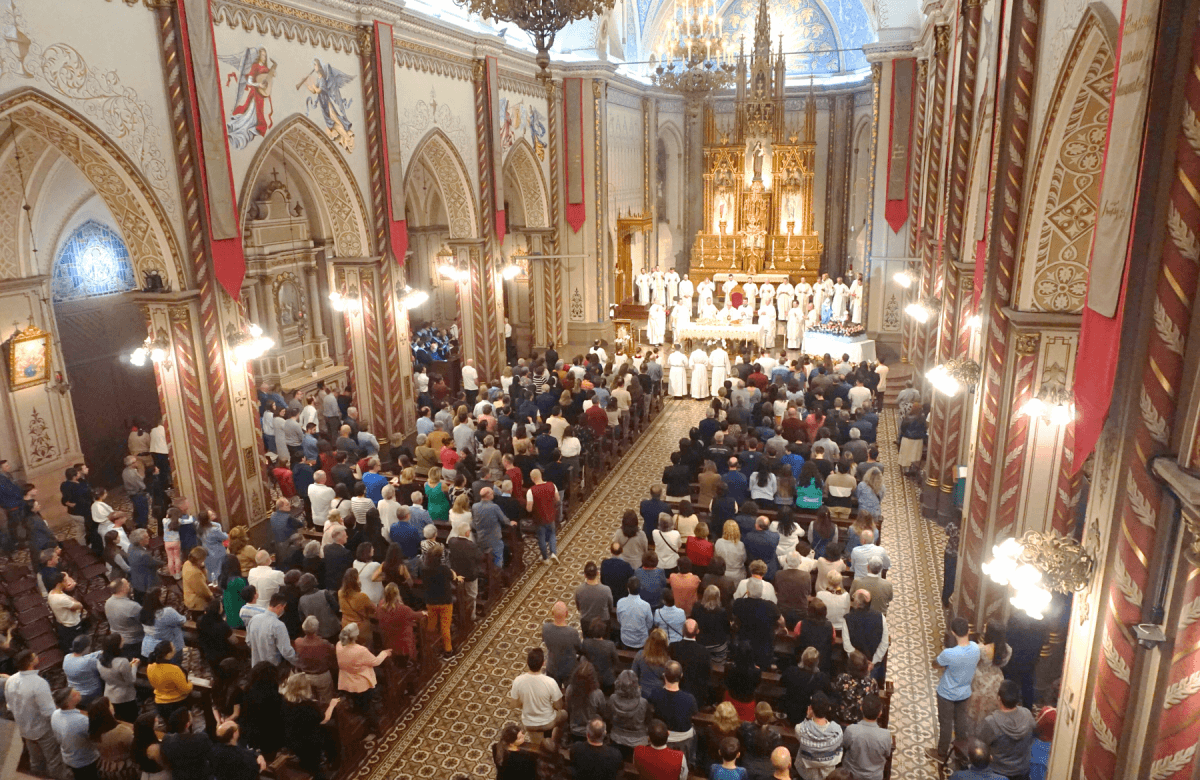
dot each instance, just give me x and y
(458, 714)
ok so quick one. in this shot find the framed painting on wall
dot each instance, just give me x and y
(29, 358)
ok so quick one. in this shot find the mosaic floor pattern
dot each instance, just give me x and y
(457, 716)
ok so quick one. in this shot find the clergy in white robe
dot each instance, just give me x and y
(784, 298)
(841, 298)
(819, 294)
(813, 317)
(687, 291)
(707, 291)
(728, 287)
(728, 313)
(750, 290)
(767, 326)
(656, 324)
(795, 327)
(642, 281)
(856, 296)
(745, 314)
(658, 286)
(672, 280)
(681, 315)
(708, 311)
(699, 364)
(719, 364)
(803, 297)
(766, 291)
(677, 378)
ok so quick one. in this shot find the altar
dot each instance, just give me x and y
(859, 348)
(728, 331)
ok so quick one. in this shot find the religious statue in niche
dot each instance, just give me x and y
(252, 106)
(289, 308)
(324, 83)
(758, 161)
(723, 210)
(660, 184)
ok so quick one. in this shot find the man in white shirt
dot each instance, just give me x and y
(320, 496)
(470, 380)
(160, 452)
(28, 697)
(859, 395)
(538, 696)
(266, 580)
(860, 556)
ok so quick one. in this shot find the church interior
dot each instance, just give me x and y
(371, 426)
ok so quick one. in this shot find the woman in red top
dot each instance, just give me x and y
(699, 549)
(396, 623)
(542, 504)
(814, 421)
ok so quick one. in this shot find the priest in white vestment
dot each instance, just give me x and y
(719, 363)
(767, 326)
(672, 279)
(658, 287)
(656, 324)
(803, 297)
(642, 281)
(750, 291)
(856, 295)
(699, 364)
(745, 314)
(784, 297)
(677, 379)
(841, 298)
(766, 291)
(708, 311)
(819, 293)
(795, 326)
(813, 317)
(681, 315)
(687, 291)
(728, 287)
(706, 290)
(729, 314)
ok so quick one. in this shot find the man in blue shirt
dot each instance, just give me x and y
(954, 690)
(70, 728)
(308, 444)
(650, 509)
(736, 483)
(283, 525)
(634, 616)
(418, 516)
(488, 522)
(81, 671)
(406, 533)
(374, 481)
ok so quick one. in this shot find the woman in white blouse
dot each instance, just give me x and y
(730, 549)
(666, 544)
(837, 600)
(388, 506)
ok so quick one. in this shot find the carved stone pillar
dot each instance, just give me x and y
(908, 327)
(359, 280)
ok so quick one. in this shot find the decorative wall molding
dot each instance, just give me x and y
(513, 81)
(619, 97)
(426, 59)
(292, 24)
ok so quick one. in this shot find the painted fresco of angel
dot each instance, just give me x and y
(537, 131)
(252, 106)
(324, 83)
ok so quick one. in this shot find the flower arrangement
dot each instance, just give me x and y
(848, 329)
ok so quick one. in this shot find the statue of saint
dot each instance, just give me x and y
(758, 161)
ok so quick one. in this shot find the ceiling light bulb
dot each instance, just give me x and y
(975, 322)
(904, 279)
(1062, 414)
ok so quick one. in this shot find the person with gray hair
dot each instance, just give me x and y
(874, 584)
(319, 604)
(856, 446)
(488, 521)
(793, 587)
(143, 567)
(861, 556)
(356, 674)
(266, 579)
(316, 659)
(757, 620)
(464, 555)
(867, 632)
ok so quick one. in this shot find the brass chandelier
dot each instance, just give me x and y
(693, 60)
(542, 19)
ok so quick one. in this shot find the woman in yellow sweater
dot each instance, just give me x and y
(196, 593)
(356, 606)
(171, 685)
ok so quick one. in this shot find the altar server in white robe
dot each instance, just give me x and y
(785, 296)
(746, 314)
(856, 295)
(656, 324)
(642, 281)
(819, 293)
(841, 298)
(687, 291)
(708, 311)
(658, 287)
(707, 291)
(672, 280)
(699, 365)
(729, 314)
(719, 364)
(803, 297)
(728, 287)
(681, 315)
(750, 291)
(766, 291)
(677, 379)
(795, 326)
(814, 315)
(767, 326)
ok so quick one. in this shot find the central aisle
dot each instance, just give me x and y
(453, 723)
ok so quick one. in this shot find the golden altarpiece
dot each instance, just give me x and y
(758, 179)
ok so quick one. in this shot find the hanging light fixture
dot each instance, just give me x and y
(542, 19)
(974, 322)
(904, 278)
(1054, 404)
(408, 298)
(924, 310)
(448, 267)
(247, 342)
(349, 301)
(156, 348)
(693, 59)
(951, 377)
(511, 271)
(1037, 565)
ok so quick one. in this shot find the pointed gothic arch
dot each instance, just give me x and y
(442, 160)
(522, 166)
(1061, 212)
(139, 216)
(323, 172)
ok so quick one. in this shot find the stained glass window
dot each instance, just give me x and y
(93, 261)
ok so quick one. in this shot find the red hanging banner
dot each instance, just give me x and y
(494, 125)
(397, 226)
(576, 211)
(900, 121)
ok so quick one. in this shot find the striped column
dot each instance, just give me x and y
(928, 244)
(482, 310)
(907, 326)
(1007, 363)
(1135, 539)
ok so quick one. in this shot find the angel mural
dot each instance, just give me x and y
(325, 83)
(537, 131)
(252, 107)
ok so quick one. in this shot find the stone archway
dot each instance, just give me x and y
(522, 168)
(1062, 212)
(454, 184)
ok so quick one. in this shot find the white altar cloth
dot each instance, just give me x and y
(697, 331)
(859, 348)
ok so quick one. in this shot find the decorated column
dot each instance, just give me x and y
(359, 280)
(909, 328)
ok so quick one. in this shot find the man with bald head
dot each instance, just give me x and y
(696, 663)
(781, 762)
(228, 760)
(562, 644)
(487, 521)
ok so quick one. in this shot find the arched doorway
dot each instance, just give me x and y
(529, 234)
(92, 214)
